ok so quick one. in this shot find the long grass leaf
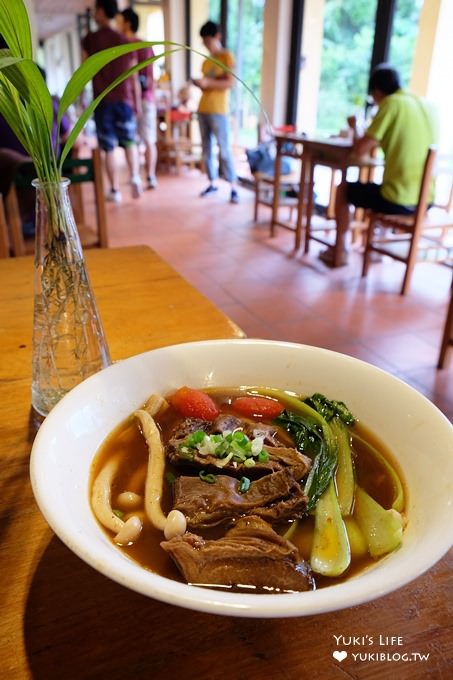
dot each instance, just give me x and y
(6, 59)
(26, 77)
(87, 113)
(15, 28)
(93, 64)
(12, 111)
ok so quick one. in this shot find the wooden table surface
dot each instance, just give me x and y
(61, 619)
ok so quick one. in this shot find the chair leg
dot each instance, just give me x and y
(366, 252)
(15, 223)
(309, 208)
(447, 337)
(257, 193)
(4, 240)
(410, 264)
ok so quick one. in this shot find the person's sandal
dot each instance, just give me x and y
(234, 197)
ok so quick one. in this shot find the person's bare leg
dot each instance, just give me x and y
(133, 164)
(133, 161)
(342, 217)
(111, 170)
(150, 160)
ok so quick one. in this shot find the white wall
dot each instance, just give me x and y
(439, 83)
(62, 56)
(276, 48)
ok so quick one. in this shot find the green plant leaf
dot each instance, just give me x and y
(26, 77)
(15, 28)
(94, 63)
(71, 91)
(26, 101)
(6, 59)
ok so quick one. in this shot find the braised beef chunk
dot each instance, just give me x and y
(272, 435)
(250, 554)
(184, 427)
(227, 423)
(280, 455)
(275, 496)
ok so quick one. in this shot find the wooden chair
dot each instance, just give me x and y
(78, 171)
(411, 238)
(175, 145)
(4, 238)
(264, 191)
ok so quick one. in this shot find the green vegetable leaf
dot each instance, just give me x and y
(330, 553)
(344, 475)
(330, 408)
(314, 439)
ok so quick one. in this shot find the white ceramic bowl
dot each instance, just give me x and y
(418, 434)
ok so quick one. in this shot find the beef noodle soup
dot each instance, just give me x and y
(252, 490)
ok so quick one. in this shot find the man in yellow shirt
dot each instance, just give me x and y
(404, 127)
(213, 110)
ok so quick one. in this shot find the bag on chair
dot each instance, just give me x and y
(262, 159)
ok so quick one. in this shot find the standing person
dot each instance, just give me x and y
(404, 127)
(114, 116)
(147, 120)
(213, 110)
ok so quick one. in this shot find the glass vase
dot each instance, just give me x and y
(68, 339)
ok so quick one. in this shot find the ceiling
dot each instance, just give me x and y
(53, 16)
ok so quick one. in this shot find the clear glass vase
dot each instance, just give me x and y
(68, 339)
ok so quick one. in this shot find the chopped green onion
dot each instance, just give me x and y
(195, 438)
(186, 453)
(235, 446)
(244, 484)
(205, 477)
(118, 513)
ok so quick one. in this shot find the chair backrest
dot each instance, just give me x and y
(425, 186)
(78, 171)
(405, 228)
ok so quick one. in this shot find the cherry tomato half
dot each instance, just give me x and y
(263, 407)
(194, 404)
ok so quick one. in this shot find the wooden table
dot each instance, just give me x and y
(62, 620)
(334, 153)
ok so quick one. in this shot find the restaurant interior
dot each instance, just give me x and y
(239, 256)
(172, 266)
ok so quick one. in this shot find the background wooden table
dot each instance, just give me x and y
(61, 619)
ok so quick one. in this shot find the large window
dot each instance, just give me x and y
(403, 37)
(245, 40)
(352, 35)
(345, 61)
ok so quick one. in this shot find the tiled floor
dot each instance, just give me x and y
(272, 293)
